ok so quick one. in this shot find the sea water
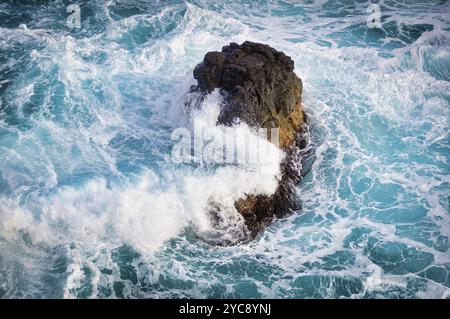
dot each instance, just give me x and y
(93, 206)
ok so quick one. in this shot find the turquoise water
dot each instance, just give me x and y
(91, 204)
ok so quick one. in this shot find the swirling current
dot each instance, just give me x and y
(91, 205)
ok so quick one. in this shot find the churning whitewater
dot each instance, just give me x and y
(92, 204)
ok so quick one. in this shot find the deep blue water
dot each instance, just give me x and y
(91, 204)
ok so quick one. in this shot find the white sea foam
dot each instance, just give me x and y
(155, 208)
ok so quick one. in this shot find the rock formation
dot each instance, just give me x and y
(261, 89)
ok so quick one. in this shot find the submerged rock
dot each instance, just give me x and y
(261, 89)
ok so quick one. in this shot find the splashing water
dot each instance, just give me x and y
(91, 204)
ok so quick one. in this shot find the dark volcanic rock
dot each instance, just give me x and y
(261, 89)
(260, 84)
